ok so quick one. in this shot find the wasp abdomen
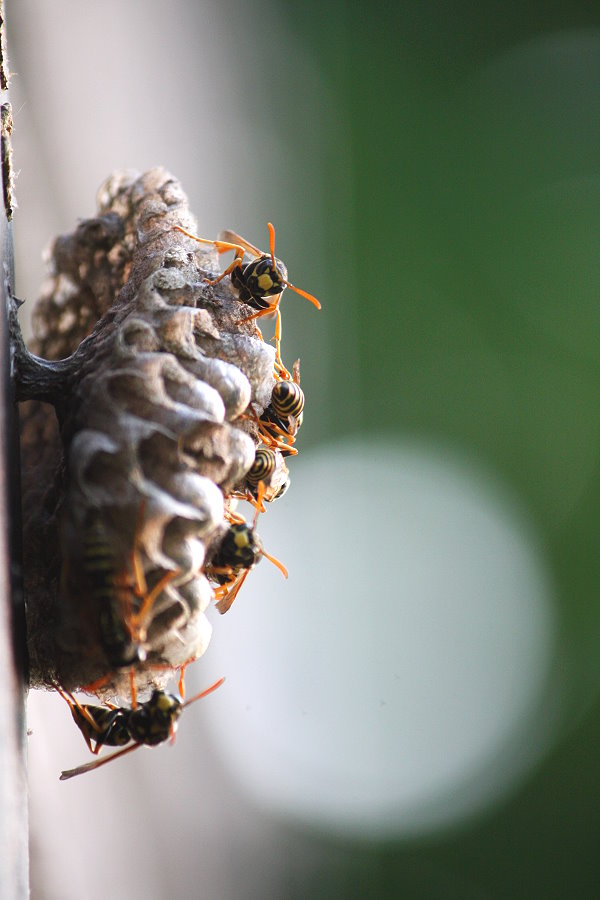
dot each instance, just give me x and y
(110, 726)
(265, 463)
(100, 568)
(287, 399)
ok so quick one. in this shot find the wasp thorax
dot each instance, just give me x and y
(240, 549)
(155, 721)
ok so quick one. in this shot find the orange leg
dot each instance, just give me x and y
(148, 602)
(95, 686)
(260, 496)
(269, 439)
(221, 247)
(231, 593)
(74, 704)
(272, 441)
(234, 265)
(262, 312)
(235, 518)
(182, 668)
(132, 688)
(181, 682)
(248, 497)
(278, 359)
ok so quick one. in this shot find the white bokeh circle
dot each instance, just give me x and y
(397, 681)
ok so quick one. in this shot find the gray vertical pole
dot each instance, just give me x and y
(14, 866)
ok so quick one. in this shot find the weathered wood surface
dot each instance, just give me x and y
(13, 785)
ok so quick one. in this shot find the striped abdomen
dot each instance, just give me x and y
(265, 463)
(109, 599)
(287, 399)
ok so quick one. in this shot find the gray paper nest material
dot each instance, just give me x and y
(149, 438)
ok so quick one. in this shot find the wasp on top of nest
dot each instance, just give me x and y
(259, 283)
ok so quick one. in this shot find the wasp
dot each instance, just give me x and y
(147, 724)
(240, 550)
(260, 282)
(281, 419)
(258, 480)
(115, 593)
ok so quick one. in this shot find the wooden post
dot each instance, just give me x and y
(14, 865)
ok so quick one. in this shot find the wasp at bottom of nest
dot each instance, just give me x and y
(146, 724)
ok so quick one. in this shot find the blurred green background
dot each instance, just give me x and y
(433, 171)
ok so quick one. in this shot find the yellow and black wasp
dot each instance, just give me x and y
(239, 551)
(260, 282)
(282, 418)
(258, 479)
(120, 595)
(146, 724)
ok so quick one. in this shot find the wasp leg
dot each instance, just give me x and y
(232, 517)
(237, 262)
(95, 686)
(268, 438)
(278, 360)
(261, 490)
(221, 247)
(148, 602)
(247, 497)
(181, 682)
(78, 709)
(263, 312)
(271, 440)
(141, 587)
(132, 688)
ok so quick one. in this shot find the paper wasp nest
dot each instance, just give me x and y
(156, 371)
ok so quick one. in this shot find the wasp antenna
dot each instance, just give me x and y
(271, 228)
(302, 293)
(96, 763)
(205, 693)
(276, 562)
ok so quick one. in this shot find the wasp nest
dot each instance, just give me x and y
(158, 389)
